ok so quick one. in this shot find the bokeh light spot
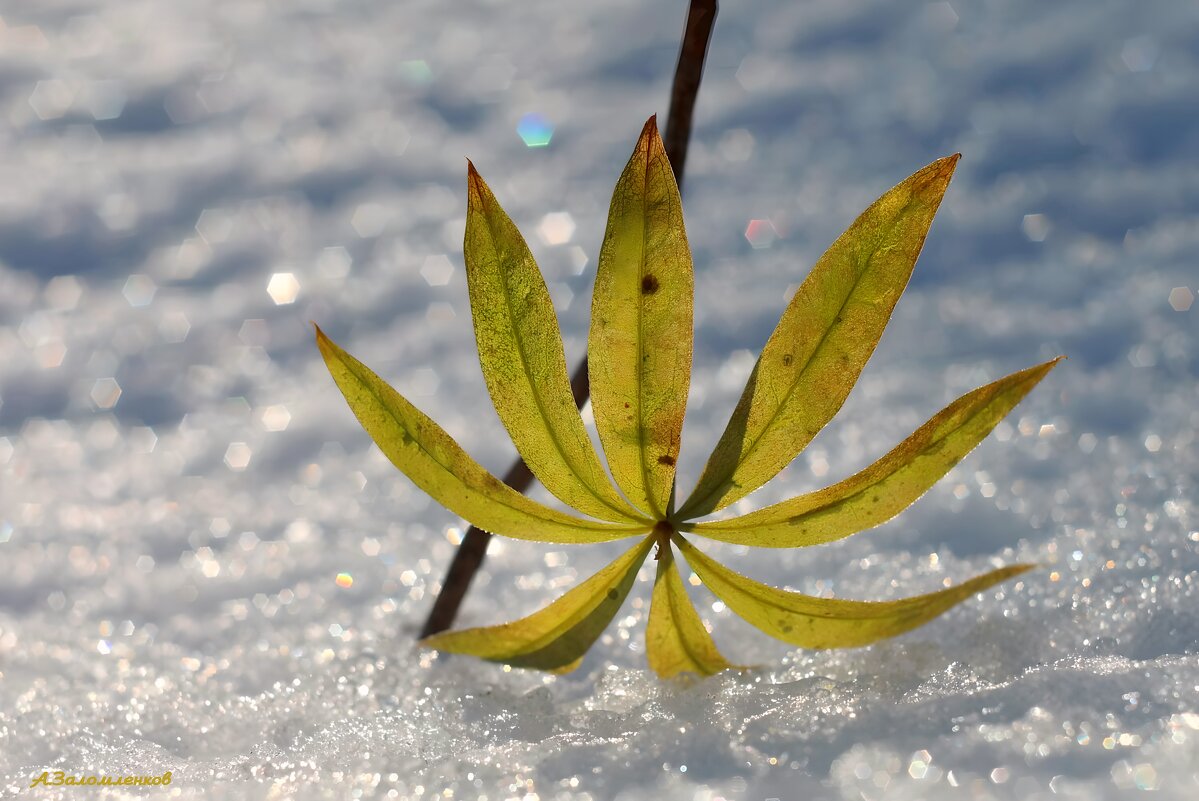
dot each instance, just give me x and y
(1139, 54)
(283, 288)
(437, 270)
(174, 326)
(105, 393)
(556, 228)
(761, 234)
(334, 262)
(51, 99)
(276, 418)
(1036, 227)
(369, 219)
(63, 292)
(416, 72)
(578, 260)
(139, 290)
(535, 130)
(1181, 298)
(237, 456)
(737, 144)
(344, 580)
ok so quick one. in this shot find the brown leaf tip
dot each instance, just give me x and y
(475, 188)
(649, 133)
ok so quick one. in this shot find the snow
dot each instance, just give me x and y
(210, 570)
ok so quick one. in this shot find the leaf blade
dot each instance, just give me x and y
(826, 622)
(675, 638)
(823, 340)
(424, 452)
(640, 340)
(557, 636)
(523, 363)
(888, 486)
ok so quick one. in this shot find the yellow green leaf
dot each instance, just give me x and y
(520, 351)
(829, 622)
(887, 487)
(639, 348)
(556, 637)
(825, 336)
(424, 452)
(675, 637)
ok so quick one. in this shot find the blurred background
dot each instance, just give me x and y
(211, 570)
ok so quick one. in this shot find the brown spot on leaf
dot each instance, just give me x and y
(613, 594)
(666, 460)
(649, 285)
(786, 360)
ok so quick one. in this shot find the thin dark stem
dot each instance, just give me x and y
(701, 15)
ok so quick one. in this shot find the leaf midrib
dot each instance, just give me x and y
(641, 439)
(674, 614)
(524, 364)
(714, 568)
(586, 525)
(845, 499)
(728, 480)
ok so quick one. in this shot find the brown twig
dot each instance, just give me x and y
(701, 15)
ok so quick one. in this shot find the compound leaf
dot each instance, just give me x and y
(640, 343)
(825, 336)
(885, 488)
(830, 622)
(520, 351)
(424, 452)
(556, 637)
(675, 637)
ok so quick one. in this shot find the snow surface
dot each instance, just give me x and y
(181, 484)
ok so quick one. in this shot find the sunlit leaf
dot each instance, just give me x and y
(639, 349)
(520, 351)
(825, 336)
(424, 452)
(556, 637)
(639, 357)
(675, 638)
(829, 622)
(887, 487)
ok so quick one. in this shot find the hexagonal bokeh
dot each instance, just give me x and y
(1181, 298)
(105, 393)
(761, 234)
(556, 228)
(535, 130)
(139, 290)
(51, 99)
(276, 418)
(237, 456)
(437, 270)
(283, 288)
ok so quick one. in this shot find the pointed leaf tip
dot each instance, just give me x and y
(877, 493)
(812, 622)
(521, 356)
(423, 451)
(556, 637)
(823, 340)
